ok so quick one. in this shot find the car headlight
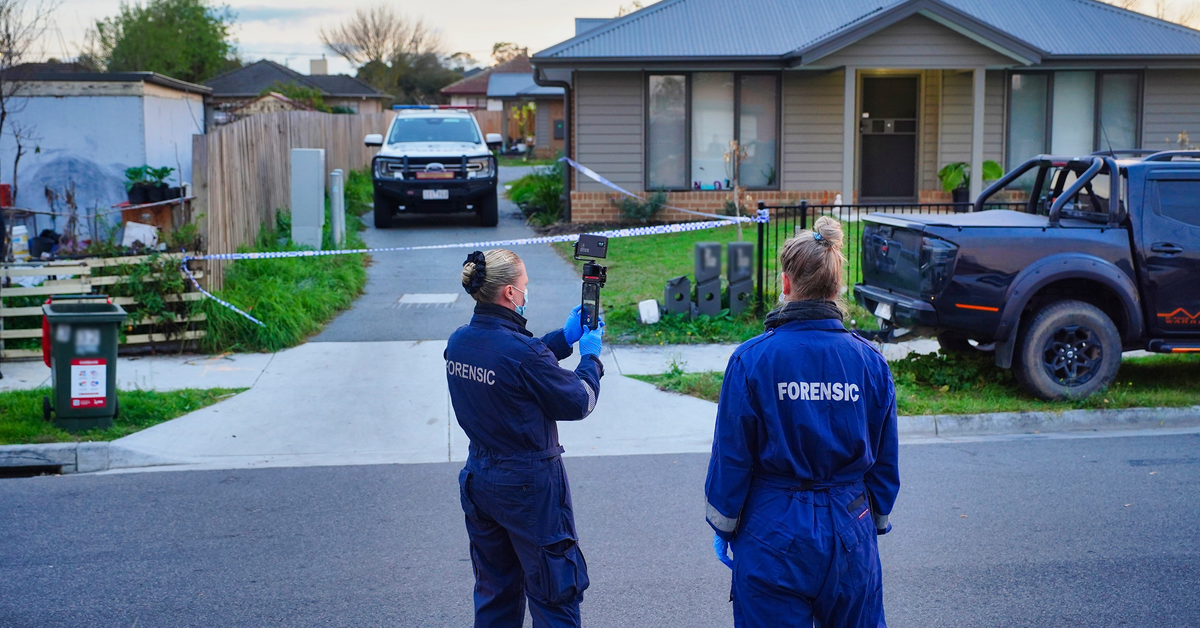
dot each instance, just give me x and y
(388, 169)
(480, 168)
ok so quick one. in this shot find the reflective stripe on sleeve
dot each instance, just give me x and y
(881, 521)
(591, 397)
(720, 521)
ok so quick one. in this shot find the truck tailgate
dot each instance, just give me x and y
(891, 253)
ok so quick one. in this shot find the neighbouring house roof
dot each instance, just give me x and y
(75, 72)
(511, 79)
(249, 81)
(797, 32)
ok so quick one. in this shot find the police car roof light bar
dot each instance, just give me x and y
(431, 107)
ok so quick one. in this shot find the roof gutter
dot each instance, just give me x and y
(542, 81)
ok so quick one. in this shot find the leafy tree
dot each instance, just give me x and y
(507, 51)
(308, 96)
(185, 39)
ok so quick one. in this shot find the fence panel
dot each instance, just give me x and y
(787, 220)
(245, 167)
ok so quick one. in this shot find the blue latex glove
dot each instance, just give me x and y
(590, 343)
(721, 547)
(573, 328)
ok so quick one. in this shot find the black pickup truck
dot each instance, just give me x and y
(1094, 264)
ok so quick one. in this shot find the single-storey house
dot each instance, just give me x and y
(83, 129)
(507, 88)
(863, 98)
(235, 88)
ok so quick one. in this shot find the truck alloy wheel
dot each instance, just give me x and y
(1069, 350)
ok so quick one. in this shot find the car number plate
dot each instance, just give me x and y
(435, 195)
(884, 311)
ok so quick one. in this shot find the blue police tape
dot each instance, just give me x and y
(594, 176)
(615, 233)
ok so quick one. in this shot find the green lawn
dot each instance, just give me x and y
(21, 419)
(974, 386)
(638, 269)
(509, 162)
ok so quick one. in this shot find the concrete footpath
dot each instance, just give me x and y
(337, 403)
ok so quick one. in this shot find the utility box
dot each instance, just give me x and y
(308, 196)
(708, 296)
(677, 296)
(81, 337)
(708, 261)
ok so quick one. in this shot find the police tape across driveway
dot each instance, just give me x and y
(615, 233)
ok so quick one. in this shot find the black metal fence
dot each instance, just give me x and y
(786, 220)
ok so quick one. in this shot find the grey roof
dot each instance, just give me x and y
(781, 28)
(506, 85)
(251, 80)
(77, 72)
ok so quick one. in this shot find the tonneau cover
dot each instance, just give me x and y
(989, 218)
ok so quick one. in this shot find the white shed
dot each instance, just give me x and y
(85, 129)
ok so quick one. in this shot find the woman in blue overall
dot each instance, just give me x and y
(508, 393)
(804, 468)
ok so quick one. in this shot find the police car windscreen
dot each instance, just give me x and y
(434, 130)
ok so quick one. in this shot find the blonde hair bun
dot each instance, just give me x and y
(830, 231)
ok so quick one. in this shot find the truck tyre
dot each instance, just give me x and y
(951, 343)
(383, 212)
(489, 214)
(1069, 350)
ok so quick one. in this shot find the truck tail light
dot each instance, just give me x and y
(937, 264)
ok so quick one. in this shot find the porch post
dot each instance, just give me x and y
(849, 127)
(980, 76)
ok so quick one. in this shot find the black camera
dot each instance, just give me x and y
(589, 248)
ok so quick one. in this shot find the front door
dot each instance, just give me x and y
(888, 126)
(1170, 245)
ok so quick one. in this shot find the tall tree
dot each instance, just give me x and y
(186, 39)
(395, 53)
(507, 51)
(1183, 12)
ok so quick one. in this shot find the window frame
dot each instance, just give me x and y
(687, 124)
(1098, 142)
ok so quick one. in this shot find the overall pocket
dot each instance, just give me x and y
(859, 559)
(464, 493)
(560, 574)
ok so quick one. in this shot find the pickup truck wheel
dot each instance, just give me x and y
(489, 211)
(1070, 350)
(383, 212)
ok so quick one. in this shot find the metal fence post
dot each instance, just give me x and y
(803, 216)
(337, 207)
(762, 253)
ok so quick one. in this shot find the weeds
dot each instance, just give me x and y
(539, 195)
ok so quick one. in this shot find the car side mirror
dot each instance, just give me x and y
(495, 141)
(374, 139)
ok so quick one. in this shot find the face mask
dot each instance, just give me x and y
(521, 308)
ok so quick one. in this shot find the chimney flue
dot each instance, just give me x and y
(318, 67)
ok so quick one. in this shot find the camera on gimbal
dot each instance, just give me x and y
(589, 248)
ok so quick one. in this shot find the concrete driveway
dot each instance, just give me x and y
(379, 314)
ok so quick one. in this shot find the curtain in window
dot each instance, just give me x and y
(1118, 110)
(757, 130)
(1026, 122)
(1073, 124)
(667, 133)
(712, 129)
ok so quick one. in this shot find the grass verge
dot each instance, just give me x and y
(21, 419)
(293, 297)
(638, 269)
(510, 162)
(938, 384)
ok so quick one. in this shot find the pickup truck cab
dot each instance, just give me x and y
(433, 160)
(1104, 257)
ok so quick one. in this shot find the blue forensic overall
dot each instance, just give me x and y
(804, 472)
(508, 392)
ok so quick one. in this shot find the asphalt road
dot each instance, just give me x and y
(378, 315)
(1069, 532)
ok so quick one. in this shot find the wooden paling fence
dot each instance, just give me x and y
(242, 171)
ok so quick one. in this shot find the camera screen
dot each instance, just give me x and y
(593, 246)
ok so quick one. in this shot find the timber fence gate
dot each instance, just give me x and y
(242, 171)
(786, 220)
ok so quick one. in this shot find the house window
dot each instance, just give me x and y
(1072, 113)
(692, 120)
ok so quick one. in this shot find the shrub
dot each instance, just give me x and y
(539, 194)
(642, 211)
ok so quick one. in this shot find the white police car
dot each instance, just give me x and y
(433, 159)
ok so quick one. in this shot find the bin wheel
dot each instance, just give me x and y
(46, 408)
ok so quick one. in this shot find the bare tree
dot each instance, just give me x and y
(23, 133)
(1183, 12)
(380, 34)
(22, 24)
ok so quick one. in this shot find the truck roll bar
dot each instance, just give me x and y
(1076, 186)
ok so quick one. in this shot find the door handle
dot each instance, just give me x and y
(1166, 248)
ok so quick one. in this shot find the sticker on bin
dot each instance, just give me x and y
(89, 383)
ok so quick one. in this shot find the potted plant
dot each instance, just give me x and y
(956, 179)
(137, 184)
(158, 180)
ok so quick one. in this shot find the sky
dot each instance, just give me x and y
(286, 30)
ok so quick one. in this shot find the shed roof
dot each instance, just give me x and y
(79, 73)
(778, 29)
(249, 81)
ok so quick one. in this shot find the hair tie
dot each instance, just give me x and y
(480, 275)
(817, 235)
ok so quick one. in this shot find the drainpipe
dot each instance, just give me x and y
(540, 80)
